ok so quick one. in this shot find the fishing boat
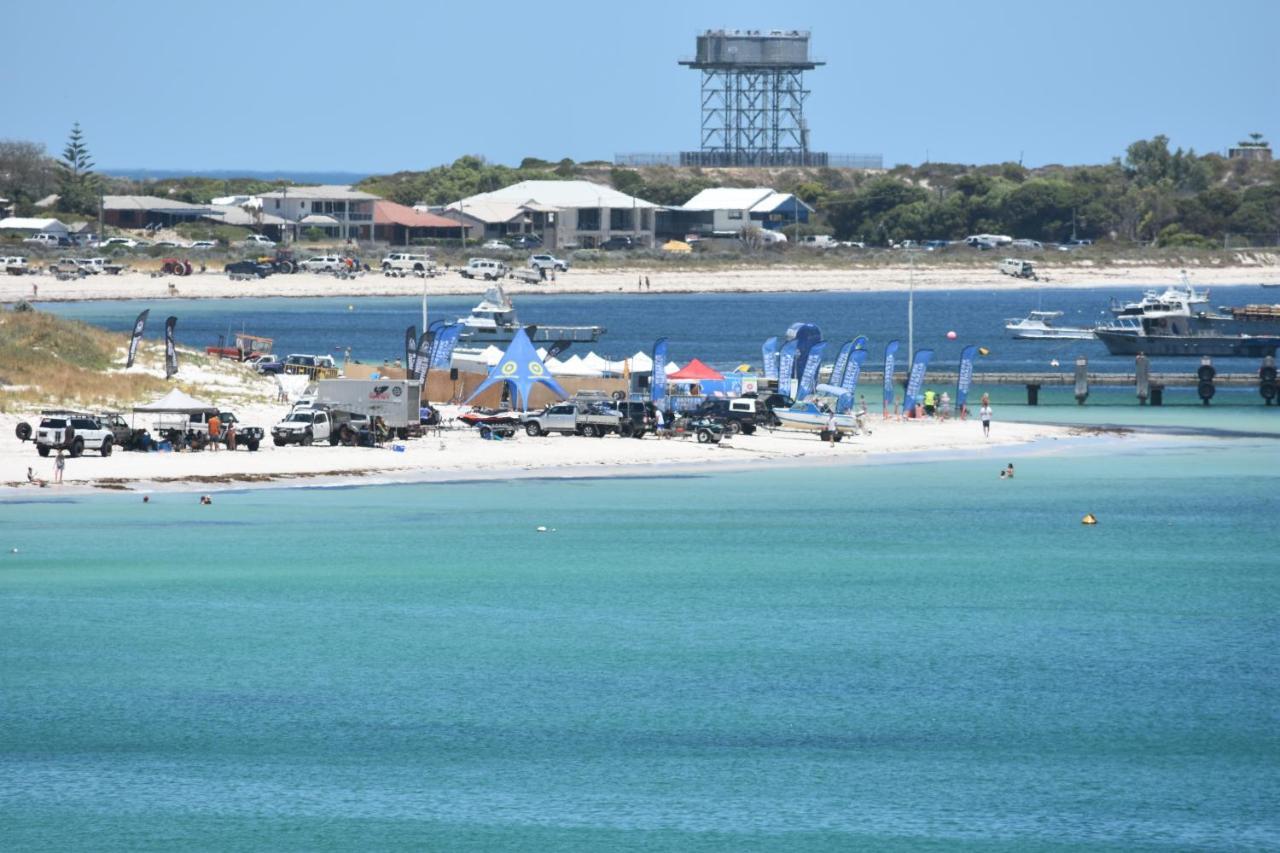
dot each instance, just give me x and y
(810, 417)
(1039, 325)
(1174, 328)
(494, 321)
(1171, 298)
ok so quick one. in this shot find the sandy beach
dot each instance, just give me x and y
(210, 285)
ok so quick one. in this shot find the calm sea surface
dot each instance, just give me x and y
(912, 656)
(723, 329)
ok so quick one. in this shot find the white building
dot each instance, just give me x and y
(568, 214)
(724, 211)
(338, 211)
(28, 225)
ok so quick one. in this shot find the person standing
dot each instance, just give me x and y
(59, 463)
(944, 405)
(985, 414)
(215, 430)
(659, 423)
(231, 436)
(831, 428)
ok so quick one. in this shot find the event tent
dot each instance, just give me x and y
(177, 401)
(695, 371)
(522, 368)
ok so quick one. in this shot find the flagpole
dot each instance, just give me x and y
(424, 303)
(911, 308)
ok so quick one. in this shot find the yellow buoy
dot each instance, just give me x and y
(1089, 519)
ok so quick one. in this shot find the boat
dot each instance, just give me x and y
(1038, 325)
(494, 321)
(1175, 327)
(1171, 298)
(810, 417)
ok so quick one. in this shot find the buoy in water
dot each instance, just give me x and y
(1089, 519)
(951, 336)
(351, 307)
(1053, 363)
(983, 351)
(542, 528)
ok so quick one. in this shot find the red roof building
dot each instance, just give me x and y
(398, 225)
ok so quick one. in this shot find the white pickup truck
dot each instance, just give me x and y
(405, 262)
(594, 420)
(308, 425)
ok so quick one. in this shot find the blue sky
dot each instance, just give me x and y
(382, 85)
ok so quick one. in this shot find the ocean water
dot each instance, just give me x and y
(907, 656)
(722, 329)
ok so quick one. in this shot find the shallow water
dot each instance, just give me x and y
(903, 656)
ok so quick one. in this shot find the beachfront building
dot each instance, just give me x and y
(401, 226)
(336, 211)
(248, 216)
(486, 219)
(142, 211)
(725, 211)
(567, 214)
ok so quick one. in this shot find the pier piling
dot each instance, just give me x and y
(1082, 379)
(1142, 377)
(1267, 380)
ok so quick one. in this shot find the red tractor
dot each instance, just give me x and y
(175, 266)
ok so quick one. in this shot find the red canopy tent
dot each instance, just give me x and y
(694, 371)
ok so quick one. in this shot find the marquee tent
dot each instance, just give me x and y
(177, 401)
(522, 369)
(695, 371)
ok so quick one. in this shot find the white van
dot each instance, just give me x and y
(1017, 268)
(43, 238)
(485, 268)
(819, 241)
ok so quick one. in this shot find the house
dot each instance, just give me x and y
(400, 225)
(142, 211)
(725, 211)
(1253, 148)
(567, 214)
(28, 225)
(233, 214)
(337, 211)
(489, 220)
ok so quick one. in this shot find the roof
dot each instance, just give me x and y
(327, 192)
(483, 209)
(695, 371)
(231, 214)
(755, 199)
(318, 219)
(176, 401)
(150, 203)
(26, 223)
(390, 213)
(561, 195)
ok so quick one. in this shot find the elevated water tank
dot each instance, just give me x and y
(753, 49)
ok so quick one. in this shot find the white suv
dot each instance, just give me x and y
(548, 262)
(43, 239)
(321, 263)
(255, 240)
(14, 265)
(485, 268)
(72, 432)
(407, 262)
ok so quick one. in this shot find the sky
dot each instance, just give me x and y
(382, 85)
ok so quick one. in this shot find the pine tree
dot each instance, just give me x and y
(77, 183)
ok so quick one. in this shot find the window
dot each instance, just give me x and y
(735, 214)
(621, 219)
(588, 219)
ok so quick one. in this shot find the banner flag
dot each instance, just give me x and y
(411, 353)
(809, 379)
(442, 349)
(787, 366)
(658, 382)
(138, 325)
(170, 350)
(915, 380)
(844, 404)
(842, 361)
(889, 350)
(423, 351)
(965, 379)
(806, 336)
(557, 349)
(770, 354)
(860, 342)
(854, 370)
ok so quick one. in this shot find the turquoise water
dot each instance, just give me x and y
(915, 656)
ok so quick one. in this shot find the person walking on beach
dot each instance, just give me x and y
(831, 428)
(985, 414)
(59, 463)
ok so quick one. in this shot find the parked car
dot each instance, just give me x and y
(126, 242)
(526, 241)
(248, 269)
(305, 425)
(1070, 245)
(593, 420)
(615, 244)
(269, 365)
(258, 241)
(46, 240)
(1017, 268)
(74, 432)
(545, 262)
(14, 265)
(408, 262)
(739, 415)
(1023, 243)
(495, 246)
(322, 263)
(485, 268)
(312, 365)
(170, 244)
(200, 245)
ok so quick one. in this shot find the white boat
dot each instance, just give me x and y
(1039, 325)
(811, 418)
(494, 321)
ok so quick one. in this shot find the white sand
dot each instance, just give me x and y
(780, 279)
(459, 453)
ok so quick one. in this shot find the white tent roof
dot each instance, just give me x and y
(24, 223)
(671, 368)
(176, 401)
(595, 362)
(560, 194)
(641, 362)
(491, 355)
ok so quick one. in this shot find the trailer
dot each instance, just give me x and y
(396, 401)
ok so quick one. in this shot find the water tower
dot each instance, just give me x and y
(753, 98)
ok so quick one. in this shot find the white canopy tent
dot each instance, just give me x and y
(177, 401)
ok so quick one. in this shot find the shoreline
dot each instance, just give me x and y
(211, 285)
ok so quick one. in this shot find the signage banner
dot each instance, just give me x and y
(965, 379)
(889, 350)
(442, 349)
(411, 353)
(423, 352)
(860, 342)
(658, 383)
(842, 361)
(170, 350)
(770, 354)
(138, 325)
(809, 379)
(854, 370)
(915, 380)
(787, 366)
(557, 349)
